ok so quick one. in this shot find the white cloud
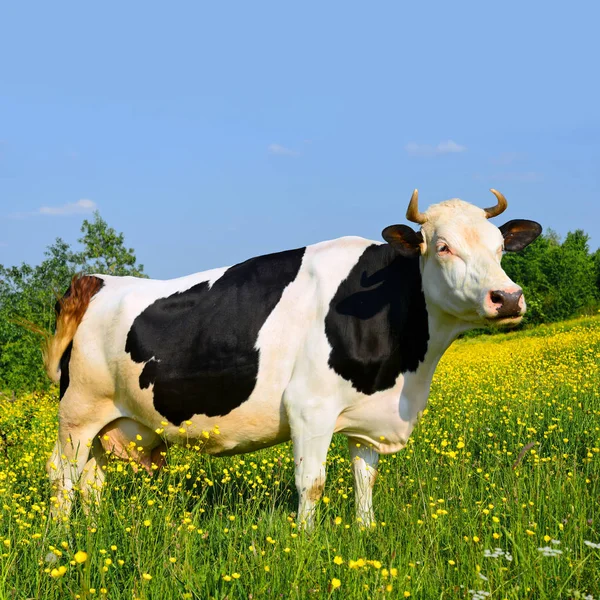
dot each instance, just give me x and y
(445, 147)
(281, 150)
(449, 147)
(82, 206)
(71, 208)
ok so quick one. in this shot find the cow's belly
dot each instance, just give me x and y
(257, 423)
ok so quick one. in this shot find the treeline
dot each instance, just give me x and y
(561, 279)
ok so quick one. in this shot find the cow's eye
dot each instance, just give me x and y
(443, 249)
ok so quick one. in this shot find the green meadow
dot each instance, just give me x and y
(497, 495)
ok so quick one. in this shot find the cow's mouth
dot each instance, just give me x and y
(505, 320)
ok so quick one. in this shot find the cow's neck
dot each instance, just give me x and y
(443, 330)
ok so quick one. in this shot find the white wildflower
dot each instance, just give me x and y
(550, 552)
(478, 594)
(497, 553)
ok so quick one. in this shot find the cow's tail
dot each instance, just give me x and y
(69, 313)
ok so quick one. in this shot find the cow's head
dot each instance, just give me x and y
(460, 252)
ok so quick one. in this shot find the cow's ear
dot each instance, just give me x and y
(519, 233)
(404, 239)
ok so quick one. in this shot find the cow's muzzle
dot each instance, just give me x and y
(505, 304)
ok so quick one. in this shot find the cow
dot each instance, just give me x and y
(342, 336)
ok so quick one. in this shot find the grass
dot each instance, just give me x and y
(505, 457)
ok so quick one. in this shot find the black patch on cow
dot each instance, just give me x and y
(199, 345)
(64, 371)
(377, 321)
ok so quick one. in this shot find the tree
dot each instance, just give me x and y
(570, 271)
(30, 293)
(596, 257)
(104, 250)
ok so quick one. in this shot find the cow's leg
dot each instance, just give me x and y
(66, 464)
(53, 469)
(92, 478)
(80, 420)
(312, 430)
(364, 468)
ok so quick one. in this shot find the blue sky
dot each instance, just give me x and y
(212, 132)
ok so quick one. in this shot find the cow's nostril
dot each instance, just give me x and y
(497, 297)
(507, 303)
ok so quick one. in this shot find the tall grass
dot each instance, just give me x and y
(497, 493)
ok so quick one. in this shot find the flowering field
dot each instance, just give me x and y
(497, 495)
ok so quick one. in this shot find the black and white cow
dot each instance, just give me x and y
(341, 336)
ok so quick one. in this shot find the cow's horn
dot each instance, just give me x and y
(413, 214)
(494, 211)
